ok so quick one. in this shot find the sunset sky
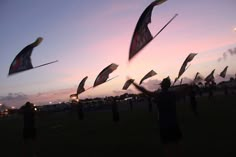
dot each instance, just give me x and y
(85, 36)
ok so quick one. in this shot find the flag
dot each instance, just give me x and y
(80, 88)
(127, 84)
(22, 61)
(183, 67)
(188, 59)
(223, 73)
(210, 77)
(197, 77)
(142, 35)
(104, 74)
(149, 74)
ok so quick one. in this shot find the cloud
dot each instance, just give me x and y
(225, 55)
(13, 99)
(152, 84)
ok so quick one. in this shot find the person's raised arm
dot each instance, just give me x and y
(143, 90)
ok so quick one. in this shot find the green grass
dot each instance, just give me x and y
(213, 133)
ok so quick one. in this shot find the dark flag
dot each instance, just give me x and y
(104, 74)
(127, 84)
(184, 65)
(142, 35)
(80, 88)
(197, 78)
(223, 73)
(22, 61)
(188, 59)
(149, 74)
(210, 77)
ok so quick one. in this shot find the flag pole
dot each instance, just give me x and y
(45, 64)
(112, 78)
(166, 25)
(89, 88)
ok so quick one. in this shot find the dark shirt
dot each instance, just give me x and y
(166, 104)
(29, 120)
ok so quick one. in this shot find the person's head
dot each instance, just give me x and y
(165, 84)
(28, 105)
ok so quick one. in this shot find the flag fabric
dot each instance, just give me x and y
(127, 84)
(188, 59)
(184, 65)
(142, 35)
(22, 61)
(80, 88)
(223, 73)
(197, 77)
(104, 74)
(210, 77)
(149, 74)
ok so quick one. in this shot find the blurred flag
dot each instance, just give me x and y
(149, 74)
(80, 88)
(104, 74)
(184, 65)
(127, 84)
(197, 78)
(188, 59)
(142, 35)
(210, 77)
(22, 61)
(223, 73)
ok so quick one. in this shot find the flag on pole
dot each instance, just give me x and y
(104, 74)
(210, 77)
(223, 73)
(184, 65)
(80, 88)
(127, 84)
(22, 61)
(149, 74)
(197, 77)
(142, 35)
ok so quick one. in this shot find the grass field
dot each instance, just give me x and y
(213, 133)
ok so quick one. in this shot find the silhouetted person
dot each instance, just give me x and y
(193, 101)
(149, 104)
(209, 89)
(29, 129)
(115, 113)
(226, 90)
(200, 88)
(80, 111)
(169, 129)
(131, 104)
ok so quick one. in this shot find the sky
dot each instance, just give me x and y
(85, 36)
